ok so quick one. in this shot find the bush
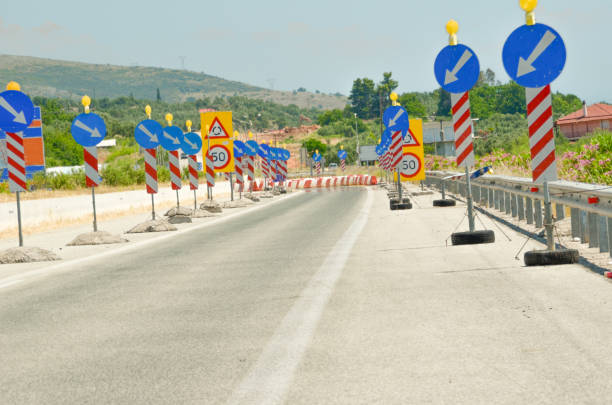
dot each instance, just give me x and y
(123, 172)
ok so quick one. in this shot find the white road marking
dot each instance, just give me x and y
(67, 265)
(270, 377)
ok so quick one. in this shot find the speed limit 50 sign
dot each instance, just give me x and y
(412, 167)
(218, 139)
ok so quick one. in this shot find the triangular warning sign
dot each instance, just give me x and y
(217, 130)
(410, 139)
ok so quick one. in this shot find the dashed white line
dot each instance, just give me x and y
(270, 377)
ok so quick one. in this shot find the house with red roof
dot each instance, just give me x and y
(586, 121)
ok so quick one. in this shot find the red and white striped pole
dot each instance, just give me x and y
(464, 143)
(150, 159)
(194, 183)
(251, 171)
(16, 171)
(92, 177)
(239, 175)
(175, 173)
(210, 174)
(462, 124)
(541, 136)
(343, 164)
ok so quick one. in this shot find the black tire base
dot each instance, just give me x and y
(444, 203)
(551, 257)
(473, 238)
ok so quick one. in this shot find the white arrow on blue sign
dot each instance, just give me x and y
(239, 149)
(147, 134)
(171, 138)
(534, 55)
(251, 148)
(341, 154)
(88, 129)
(395, 118)
(317, 157)
(16, 111)
(192, 143)
(457, 68)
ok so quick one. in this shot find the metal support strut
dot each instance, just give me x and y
(548, 219)
(470, 202)
(93, 200)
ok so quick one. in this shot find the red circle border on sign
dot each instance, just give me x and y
(420, 166)
(228, 154)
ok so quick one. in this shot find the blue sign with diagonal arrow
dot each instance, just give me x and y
(88, 129)
(251, 148)
(171, 138)
(317, 157)
(16, 111)
(147, 134)
(457, 68)
(395, 118)
(342, 154)
(192, 143)
(264, 151)
(534, 55)
(239, 149)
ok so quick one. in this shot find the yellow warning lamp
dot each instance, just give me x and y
(452, 27)
(529, 6)
(169, 118)
(13, 86)
(316, 151)
(393, 96)
(148, 111)
(236, 134)
(341, 147)
(188, 124)
(86, 101)
(250, 135)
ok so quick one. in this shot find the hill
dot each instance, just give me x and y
(55, 78)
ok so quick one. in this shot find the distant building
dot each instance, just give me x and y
(586, 121)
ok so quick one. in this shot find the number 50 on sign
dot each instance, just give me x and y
(412, 167)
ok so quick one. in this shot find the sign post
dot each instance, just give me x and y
(342, 156)
(171, 139)
(16, 114)
(147, 134)
(219, 144)
(534, 55)
(88, 130)
(251, 149)
(397, 123)
(316, 157)
(191, 145)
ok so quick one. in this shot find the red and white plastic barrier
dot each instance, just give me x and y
(335, 181)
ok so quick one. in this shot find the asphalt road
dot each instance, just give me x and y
(327, 297)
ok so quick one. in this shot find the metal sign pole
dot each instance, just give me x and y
(231, 176)
(195, 201)
(177, 199)
(153, 206)
(19, 219)
(470, 203)
(399, 185)
(93, 200)
(548, 224)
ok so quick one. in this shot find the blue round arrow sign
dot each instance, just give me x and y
(171, 138)
(457, 68)
(192, 143)
(264, 151)
(88, 129)
(342, 154)
(395, 118)
(534, 55)
(16, 111)
(251, 148)
(239, 149)
(147, 134)
(286, 154)
(317, 157)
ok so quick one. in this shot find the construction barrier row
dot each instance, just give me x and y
(336, 181)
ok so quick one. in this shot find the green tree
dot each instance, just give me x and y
(158, 95)
(411, 103)
(313, 144)
(384, 89)
(444, 104)
(362, 95)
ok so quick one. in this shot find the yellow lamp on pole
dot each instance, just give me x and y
(452, 27)
(86, 101)
(393, 96)
(529, 6)
(250, 135)
(148, 111)
(188, 124)
(169, 118)
(341, 147)
(13, 86)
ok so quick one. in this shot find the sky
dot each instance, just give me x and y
(316, 44)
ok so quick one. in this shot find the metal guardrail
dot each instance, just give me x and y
(590, 204)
